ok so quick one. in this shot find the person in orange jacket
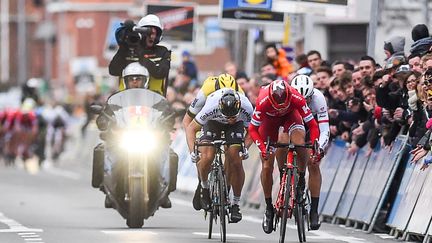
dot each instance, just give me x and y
(277, 57)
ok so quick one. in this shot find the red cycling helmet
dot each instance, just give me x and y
(279, 94)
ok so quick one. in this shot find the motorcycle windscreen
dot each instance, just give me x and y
(138, 114)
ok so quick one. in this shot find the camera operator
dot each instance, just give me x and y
(139, 43)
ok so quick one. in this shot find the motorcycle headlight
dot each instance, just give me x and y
(139, 141)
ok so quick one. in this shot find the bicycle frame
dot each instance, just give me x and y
(218, 189)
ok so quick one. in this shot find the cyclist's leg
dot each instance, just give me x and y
(207, 154)
(234, 137)
(269, 128)
(281, 153)
(296, 131)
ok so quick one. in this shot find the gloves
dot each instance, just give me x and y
(262, 148)
(245, 153)
(194, 157)
(318, 155)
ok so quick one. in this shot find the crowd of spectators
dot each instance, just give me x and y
(370, 101)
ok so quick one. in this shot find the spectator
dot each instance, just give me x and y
(338, 68)
(357, 79)
(231, 69)
(367, 66)
(189, 68)
(324, 75)
(394, 47)
(277, 57)
(426, 61)
(314, 60)
(414, 63)
(422, 40)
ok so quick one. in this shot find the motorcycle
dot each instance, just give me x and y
(135, 156)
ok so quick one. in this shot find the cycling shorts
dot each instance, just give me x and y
(234, 134)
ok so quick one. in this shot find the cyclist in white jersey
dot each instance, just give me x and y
(229, 111)
(318, 105)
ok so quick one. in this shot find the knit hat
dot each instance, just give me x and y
(419, 31)
(395, 44)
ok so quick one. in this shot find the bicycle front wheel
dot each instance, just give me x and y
(285, 213)
(300, 221)
(222, 205)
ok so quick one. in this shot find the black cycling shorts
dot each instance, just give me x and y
(234, 134)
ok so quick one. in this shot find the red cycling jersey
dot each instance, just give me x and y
(26, 119)
(267, 118)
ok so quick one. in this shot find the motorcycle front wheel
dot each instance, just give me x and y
(136, 204)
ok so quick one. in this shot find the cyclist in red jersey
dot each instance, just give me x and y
(280, 105)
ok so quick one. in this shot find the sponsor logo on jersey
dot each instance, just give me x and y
(208, 114)
(194, 103)
(257, 114)
(305, 109)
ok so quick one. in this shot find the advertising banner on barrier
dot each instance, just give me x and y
(337, 189)
(409, 198)
(390, 161)
(373, 182)
(329, 167)
(250, 11)
(422, 213)
(401, 192)
(352, 185)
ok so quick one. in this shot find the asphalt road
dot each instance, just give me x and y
(57, 205)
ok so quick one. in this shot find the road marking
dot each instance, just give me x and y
(227, 235)
(63, 173)
(33, 239)
(26, 233)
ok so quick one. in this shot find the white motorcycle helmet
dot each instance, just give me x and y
(154, 21)
(135, 69)
(303, 84)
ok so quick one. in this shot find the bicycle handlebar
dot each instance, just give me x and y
(314, 146)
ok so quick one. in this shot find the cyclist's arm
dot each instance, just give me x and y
(308, 118)
(187, 119)
(248, 140)
(191, 130)
(319, 105)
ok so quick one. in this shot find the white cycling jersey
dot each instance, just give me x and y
(211, 110)
(318, 106)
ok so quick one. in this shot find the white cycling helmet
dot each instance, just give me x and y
(135, 69)
(152, 20)
(303, 84)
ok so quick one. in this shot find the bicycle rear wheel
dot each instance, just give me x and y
(222, 205)
(284, 216)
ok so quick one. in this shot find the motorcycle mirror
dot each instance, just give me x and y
(97, 109)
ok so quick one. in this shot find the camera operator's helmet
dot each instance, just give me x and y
(135, 70)
(229, 103)
(154, 21)
(225, 80)
(303, 84)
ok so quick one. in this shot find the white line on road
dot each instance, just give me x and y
(14, 226)
(227, 235)
(385, 236)
(26, 233)
(33, 239)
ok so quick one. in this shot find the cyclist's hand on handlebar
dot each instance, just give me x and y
(318, 156)
(194, 157)
(244, 154)
(263, 149)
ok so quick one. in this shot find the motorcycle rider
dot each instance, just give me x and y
(134, 76)
(143, 47)
(229, 111)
